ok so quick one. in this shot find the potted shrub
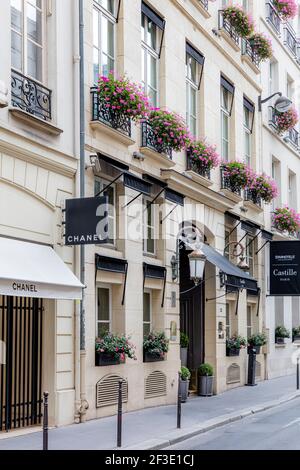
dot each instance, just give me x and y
(184, 344)
(113, 349)
(264, 188)
(234, 345)
(287, 9)
(205, 380)
(256, 342)
(296, 334)
(202, 157)
(286, 121)
(184, 382)
(170, 130)
(240, 20)
(261, 46)
(286, 220)
(155, 346)
(281, 334)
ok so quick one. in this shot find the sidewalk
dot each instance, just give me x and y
(156, 427)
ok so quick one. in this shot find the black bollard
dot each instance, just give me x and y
(179, 403)
(45, 422)
(298, 378)
(119, 426)
(252, 367)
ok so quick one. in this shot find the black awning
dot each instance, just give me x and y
(233, 216)
(154, 272)
(232, 275)
(153, 16)
(195, 54)
(156, 181)
(249, 105)
(113, 265)
(267, 235)
(249, 227)
(227, 85)
(174, 197)
(137, 184)
(115, 163)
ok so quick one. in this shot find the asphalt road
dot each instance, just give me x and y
(276, 429)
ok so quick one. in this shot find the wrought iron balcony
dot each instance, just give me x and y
(149, 140)
(196, 167)
(273, 17)
(204, 3)
(102, 113)
(272, 117)
(226, 26)
(227, 183)
(293, 138)
(247, 50)
(30, 96)
(290, 39)
(252, 196)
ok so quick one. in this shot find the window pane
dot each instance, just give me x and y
(225, 127)
(152, 94)
(151, 35)
(16, 15)
(34, 24)
(108, 5)
(34, 61)
(147, 307)
(225, 99)
(193, 101)
(96, 28)
(107, 37)
(107, 65)
(96, 64)
(152, 71)
(103, 304)
(192, 69)
(16, 50)
(150, 241)
(36, 3)
(247, 118)
(147, 329)
(103, 329)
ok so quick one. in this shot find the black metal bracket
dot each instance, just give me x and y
(110, 184)
(150, 203)
(237, 225)
(253, 239)
(237, 302)
(258, 302)
(165, 218)
(125, 283)
(268, 241)
(132, 200)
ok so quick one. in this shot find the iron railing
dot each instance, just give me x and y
(204, 3)
(273, 17)
(293, 138)
(102, 113)
(30, 96)
(248, 50)
(228, 183)
(290, 39)
(252, 196)
(192, 165)
(272, 117)
(226, 26)
(149, 140)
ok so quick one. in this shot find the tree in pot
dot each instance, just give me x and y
(296, 334)
(205, 380)
(234, 345)
(281, 333)
(184, 382)
(155, 346)
(256, 342)
(184, 344)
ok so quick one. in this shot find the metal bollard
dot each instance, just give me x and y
(298, 377)
(45, 422)
(119, 424)
(179, 403)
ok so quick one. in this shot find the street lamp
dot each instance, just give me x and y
(282, 104)
(197, 264)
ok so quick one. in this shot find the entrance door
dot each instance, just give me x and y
(191, 312)
(21, 369)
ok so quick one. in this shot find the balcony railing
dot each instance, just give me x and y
(247, 50)
(149, 140)
(104, 114)
(273, 17)
(196, 167)
(30, 96)
(293, 138)
(290, 39)
(272, 117)
(252, 196)
(227, 183)
(226, 26)
(204, 4)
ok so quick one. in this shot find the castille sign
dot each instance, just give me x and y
(285, 268)
(86, 221)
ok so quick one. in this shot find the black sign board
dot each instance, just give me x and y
(87, 221)
(285, 268)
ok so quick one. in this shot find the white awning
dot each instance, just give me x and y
(31, 270)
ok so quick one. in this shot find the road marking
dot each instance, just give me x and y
(291, 423)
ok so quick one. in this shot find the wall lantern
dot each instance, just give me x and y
(197, 264)
(282, 104)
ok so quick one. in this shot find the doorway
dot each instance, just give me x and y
(21, 323)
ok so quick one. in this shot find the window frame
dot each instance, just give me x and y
(249, 327)
(195, 86)
(146, 226)
(103, 183)
(148, 292)
(228, 323)
(154, 53)
(250, 253)
(102, 12)
(109, 288)
(248, 131)
(225, 115)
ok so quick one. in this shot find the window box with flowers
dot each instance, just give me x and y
(113, 349)
(261, 46)
(287, 9)
(261, 188)
(201, 159)
(281, 334)
(256, 342)
(235, 23)
(286, 220)
(234, 345)
(155, 346)
(234, 177)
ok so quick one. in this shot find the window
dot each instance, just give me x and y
(194, 66)
(151, 39)
(27, 37)
(292, 188)
(276, 175)
(249, 321)
(228, 327)
(149, 228)
(289, 88)
(250, 253)
(227, 96)
(104, 23)
(273, 77)
(247, 136)
(100, 184)
(147, 313)
(103, 311)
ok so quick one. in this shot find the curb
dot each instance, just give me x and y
(177, 436)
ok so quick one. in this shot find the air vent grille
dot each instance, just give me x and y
(156, 385)
(233, 374)
(107, 390)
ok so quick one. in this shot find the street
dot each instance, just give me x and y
(277, 429)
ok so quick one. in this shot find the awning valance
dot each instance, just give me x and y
(32, 270)
(113, 265)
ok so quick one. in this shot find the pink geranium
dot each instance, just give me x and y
(239, 19)
(286, 220)
(264, 187)
(169, 129)
(286, 121)
(203, 157)
(287, 9)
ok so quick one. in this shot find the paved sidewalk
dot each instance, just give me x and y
(156, 427)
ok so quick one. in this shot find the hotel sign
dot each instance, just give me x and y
(86, 221)
(285, 268)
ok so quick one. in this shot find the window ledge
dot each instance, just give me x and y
(280, 346)
(110, 132)
(254, 207)
(34, 121)
(251, 64)
(201, 8)
(200, 179)
(159, 157)
(232, 196)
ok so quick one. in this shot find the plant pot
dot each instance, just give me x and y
(106, 359)
(183, 356)
(205, 386)
(232, 352)
(257, 348)
(280, 340)
(153, 357)
(184, 390)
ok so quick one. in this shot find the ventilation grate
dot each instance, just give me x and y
(156, 385)
(107, 391)
(233, 374)
(258, 370)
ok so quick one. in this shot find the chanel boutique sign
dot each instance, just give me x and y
(285, 268)
(87, 221)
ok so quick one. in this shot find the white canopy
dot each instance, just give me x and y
(31, 270)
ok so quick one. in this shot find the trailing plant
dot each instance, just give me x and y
(282, 332)
(185, 374)
(206, 370)
(286, 219)
(287, 9)
(203, 155)
(184, 340)
(170, 129)
(286, 121)
(264, 187)
(238, 174)
(156, 343)
(240, 20)
(261, 46)
(236, 342)
(259, 339)
(118, 346)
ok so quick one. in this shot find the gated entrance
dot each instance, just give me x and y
(21, 368)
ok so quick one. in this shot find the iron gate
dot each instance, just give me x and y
(21, 368)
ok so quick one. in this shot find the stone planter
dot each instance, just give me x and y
(257, 349)
(184, 390)
(280, 340)
(183, 356)
(152, 357)
(106, 359)
(232, 352)
(205, 386)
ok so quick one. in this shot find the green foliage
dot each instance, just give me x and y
(236, 342)
(259, 339)
(156, 343)
(282, 332)
(184, 340)
(206, 370)
(296, 331)
(119, 346)
(185, 373)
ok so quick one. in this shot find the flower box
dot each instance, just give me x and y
(232, 352)
(106, 359)
(257, 349)
(153, 357)
(296, 339)
(280, 340)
